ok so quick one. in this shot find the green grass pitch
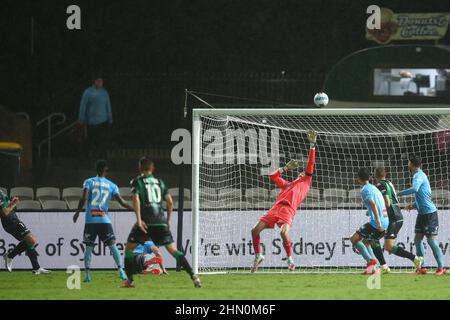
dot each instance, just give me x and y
(177, 285)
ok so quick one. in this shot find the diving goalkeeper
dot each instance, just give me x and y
(283, 211)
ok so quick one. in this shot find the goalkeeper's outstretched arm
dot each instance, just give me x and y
(312, 137)
(276, 178)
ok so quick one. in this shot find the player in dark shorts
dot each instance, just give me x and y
(27, 241)
(427, 221)
(148, 194)
(97, 193)
(395, 224)
(375, 229)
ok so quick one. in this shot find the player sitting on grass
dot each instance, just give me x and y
(150, 248)
(98, 191)
(148, 195)
(374, 230)
(427, 223)
(12, 224)
(290, 197)
(395, 224)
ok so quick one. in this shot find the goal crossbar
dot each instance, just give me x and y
(321, 112)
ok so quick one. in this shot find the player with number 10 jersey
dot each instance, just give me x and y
(152, 191)
(149, 193)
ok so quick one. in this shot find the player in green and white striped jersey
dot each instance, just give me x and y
(149, 193)
(395, 224)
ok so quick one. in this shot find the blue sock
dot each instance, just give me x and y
(370, 251)
(116, 255)
(437, 252)
(420, 249)
(363, 251)
(88, 257)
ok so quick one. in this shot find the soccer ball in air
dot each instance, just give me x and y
(321, 99)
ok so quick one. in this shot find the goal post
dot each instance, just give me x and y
(234, 150)
(196, 136)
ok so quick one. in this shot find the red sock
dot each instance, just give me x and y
(257, 244)
(288, 247)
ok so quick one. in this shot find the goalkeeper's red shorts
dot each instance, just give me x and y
(279, 214)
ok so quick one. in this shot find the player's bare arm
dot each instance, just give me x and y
(81, 203)
(374, 208)
(5, 212)
(137, 211)
(387, 202)
(169, 202)
(123, 203)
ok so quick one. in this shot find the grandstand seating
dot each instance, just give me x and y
(114, 205)
(24, 193)
(125, 193)
(175, 196)
(406, 200)
(54, 205)
(72, 205)
(335, 195)
(72, 194)
(187, 205)
(29, 205)
(354, 195)
(51, 198)
(48, 193)
(266, 205)
(252, 194)
(313, 195)
(441, 197)
(230, 194)
(208, 194)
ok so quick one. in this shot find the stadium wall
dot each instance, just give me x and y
(320, 238)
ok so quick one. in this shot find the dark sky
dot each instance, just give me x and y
(173, 35)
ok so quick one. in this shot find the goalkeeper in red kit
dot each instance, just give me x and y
(289, 199)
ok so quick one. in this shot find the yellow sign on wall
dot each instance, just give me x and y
(409, 26)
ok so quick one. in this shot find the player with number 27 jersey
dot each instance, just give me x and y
(100, 192)
(97, 192)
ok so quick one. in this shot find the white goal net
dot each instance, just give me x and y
(234, 150)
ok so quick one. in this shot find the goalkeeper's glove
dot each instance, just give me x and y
(312, 137)
(292, 164)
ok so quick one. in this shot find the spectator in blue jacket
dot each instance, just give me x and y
(95, 113)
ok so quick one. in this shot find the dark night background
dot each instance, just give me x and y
(149, 51)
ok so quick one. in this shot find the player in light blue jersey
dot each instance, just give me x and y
(97, 192)
(427, 222)
(375, 229)
(149, 248)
